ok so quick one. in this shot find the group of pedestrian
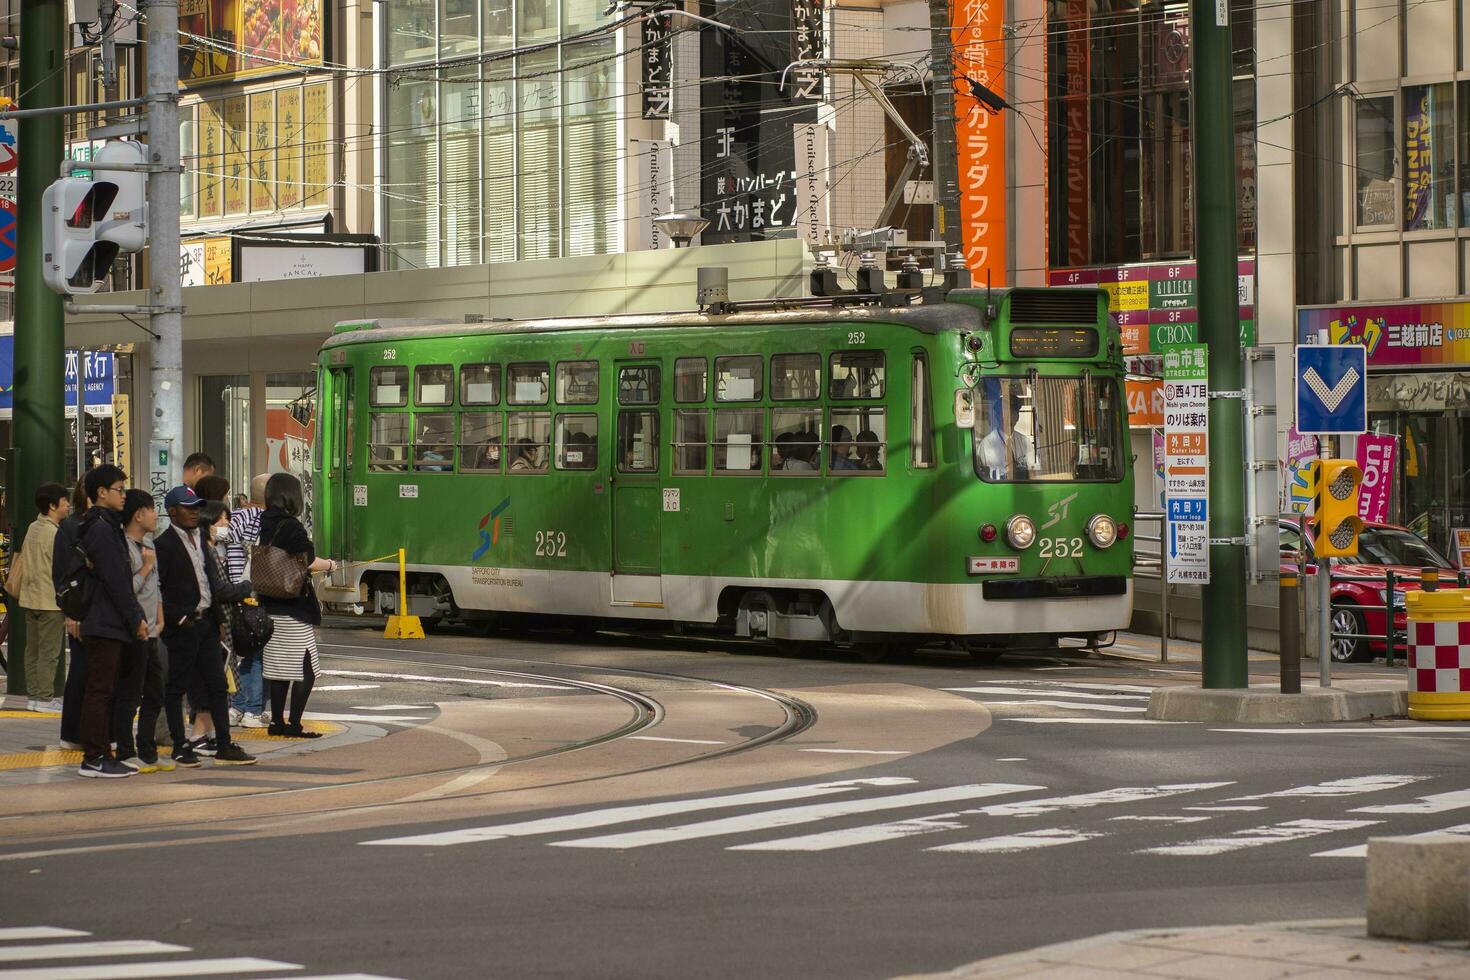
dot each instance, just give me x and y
(154, 618)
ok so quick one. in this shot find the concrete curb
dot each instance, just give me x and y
(1271, 707)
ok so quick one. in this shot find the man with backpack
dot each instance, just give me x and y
(110, 615)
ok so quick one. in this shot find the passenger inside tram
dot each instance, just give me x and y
(1005, 451)
(524, 460)
(842, 448)
(868, 451)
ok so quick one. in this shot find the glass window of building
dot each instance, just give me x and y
(1374, 153)
(1430, 198)
(459, 175)
(459, 27)
(411, 190)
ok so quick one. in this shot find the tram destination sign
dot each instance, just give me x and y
(1186, 463)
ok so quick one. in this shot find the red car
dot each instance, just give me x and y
(1381, 548)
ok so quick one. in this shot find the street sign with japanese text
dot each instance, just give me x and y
(1186, 463)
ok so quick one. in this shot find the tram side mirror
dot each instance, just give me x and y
(964, 408)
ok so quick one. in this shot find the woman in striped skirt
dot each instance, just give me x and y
(290, 661)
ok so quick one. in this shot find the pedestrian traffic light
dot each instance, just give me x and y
(73, 259)
(1335, 525)
(88, 221)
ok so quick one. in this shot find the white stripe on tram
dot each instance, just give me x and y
(790, 816)
(590, 819)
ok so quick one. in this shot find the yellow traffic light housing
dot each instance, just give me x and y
(1336, 524)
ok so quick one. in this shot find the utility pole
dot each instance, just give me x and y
(1223, 599)
(946, 158)
(166, 433)
(39, 424)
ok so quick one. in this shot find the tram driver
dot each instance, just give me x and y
(1005, 451)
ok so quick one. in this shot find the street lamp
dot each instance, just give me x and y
(682, 226)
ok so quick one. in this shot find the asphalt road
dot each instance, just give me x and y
(539, 806)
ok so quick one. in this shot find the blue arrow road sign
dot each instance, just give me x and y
(1332, 390)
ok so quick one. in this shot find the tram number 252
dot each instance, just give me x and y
(1059, 547)
(551, 544)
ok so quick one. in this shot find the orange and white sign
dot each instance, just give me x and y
(980, 137)
(1145, 403)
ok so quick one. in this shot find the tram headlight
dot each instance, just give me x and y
(1102, 530)
(1020, 532)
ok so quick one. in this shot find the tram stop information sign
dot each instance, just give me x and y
(1186, 463)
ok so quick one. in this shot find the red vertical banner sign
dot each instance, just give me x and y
(980, 136)
(1076, 73)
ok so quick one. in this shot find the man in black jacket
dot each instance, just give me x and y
(191, 583)
(113, 617)
(63, 562)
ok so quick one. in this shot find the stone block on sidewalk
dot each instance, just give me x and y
(1268, 707)
(1419, 887)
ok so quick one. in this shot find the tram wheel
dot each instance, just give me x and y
(482, 627)
(789, 648)
(881, 653)
(984, 653)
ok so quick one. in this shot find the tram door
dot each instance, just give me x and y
(337, 463)
(637, 490)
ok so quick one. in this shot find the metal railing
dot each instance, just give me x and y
(1387, 585)
(1154, 566)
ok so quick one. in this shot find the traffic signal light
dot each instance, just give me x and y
(73, 260)
(1336, 523)
(88, 221)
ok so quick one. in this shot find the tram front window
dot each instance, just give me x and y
(1048, 429)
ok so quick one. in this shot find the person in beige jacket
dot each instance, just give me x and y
(45, 624)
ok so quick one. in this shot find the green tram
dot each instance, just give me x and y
(824, 472)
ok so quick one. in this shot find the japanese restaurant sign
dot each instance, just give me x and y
(658, 65)
(806, 44)
(1376, 456)
(979, 44)
(248, 37)
(1412, 334)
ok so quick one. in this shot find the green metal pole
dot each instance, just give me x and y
(39, 424)
(1224, 603)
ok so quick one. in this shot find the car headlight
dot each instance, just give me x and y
(1020, 532)
(1102, 530)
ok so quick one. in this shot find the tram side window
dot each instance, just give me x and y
(433, 442)
(691, 441)
(859, 442)
(637, 442)
(638, 385)
(433, 384)
(921, 418)
(527, 383)
(528, 441)
(796, 440)
(389, 386)
(479, 384)
(738, 378)
(388, 441)
(796, 377)
(576, 442)
(479, 442)
(576, 383)
(860, 374)
(737, 440)
(690, 379)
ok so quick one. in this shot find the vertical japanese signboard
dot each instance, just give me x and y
(654, 194)
(977, 32)
(658, 61)
(806, 44)
(1076, 108)
(811, 183)
(1376, 455)
(9, 180)
(1186, 463)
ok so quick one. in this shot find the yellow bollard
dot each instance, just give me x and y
(1439, 654)
(403, 626)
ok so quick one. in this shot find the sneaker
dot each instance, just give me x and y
(184, 756)
(73, 746)
(152, 763)
(233, 755)
(53, 705)
(129, 763)
(103, 768)
(205, 745)
(235, 715)
(33, 705)
(248, 720)
(276, 730)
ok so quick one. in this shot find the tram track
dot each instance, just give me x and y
(648, 712)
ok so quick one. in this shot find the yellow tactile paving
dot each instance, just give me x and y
(12, 713)
(70, 757)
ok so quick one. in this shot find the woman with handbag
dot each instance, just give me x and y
(281, 564)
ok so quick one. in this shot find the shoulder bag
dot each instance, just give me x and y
(17, 575)
(250, 628)
(276, 573)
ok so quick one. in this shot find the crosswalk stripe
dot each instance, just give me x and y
(1049, 692)
(1258, 836)
(1029, 840)
(1046, 703)
(72, 951)
(124, 971)
(476, 681)
(12, 933)
(1437, 803)
(1340, 787)
(1086, 685)
(333, 976)
(872, 834)
(1097, 721)
(790, 816)
(588, 819)
(1122, 794)
(1361, 850)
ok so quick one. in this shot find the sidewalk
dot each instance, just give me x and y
(1324, 950)
(1145, 647)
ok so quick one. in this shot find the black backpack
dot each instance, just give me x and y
(74, 593)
